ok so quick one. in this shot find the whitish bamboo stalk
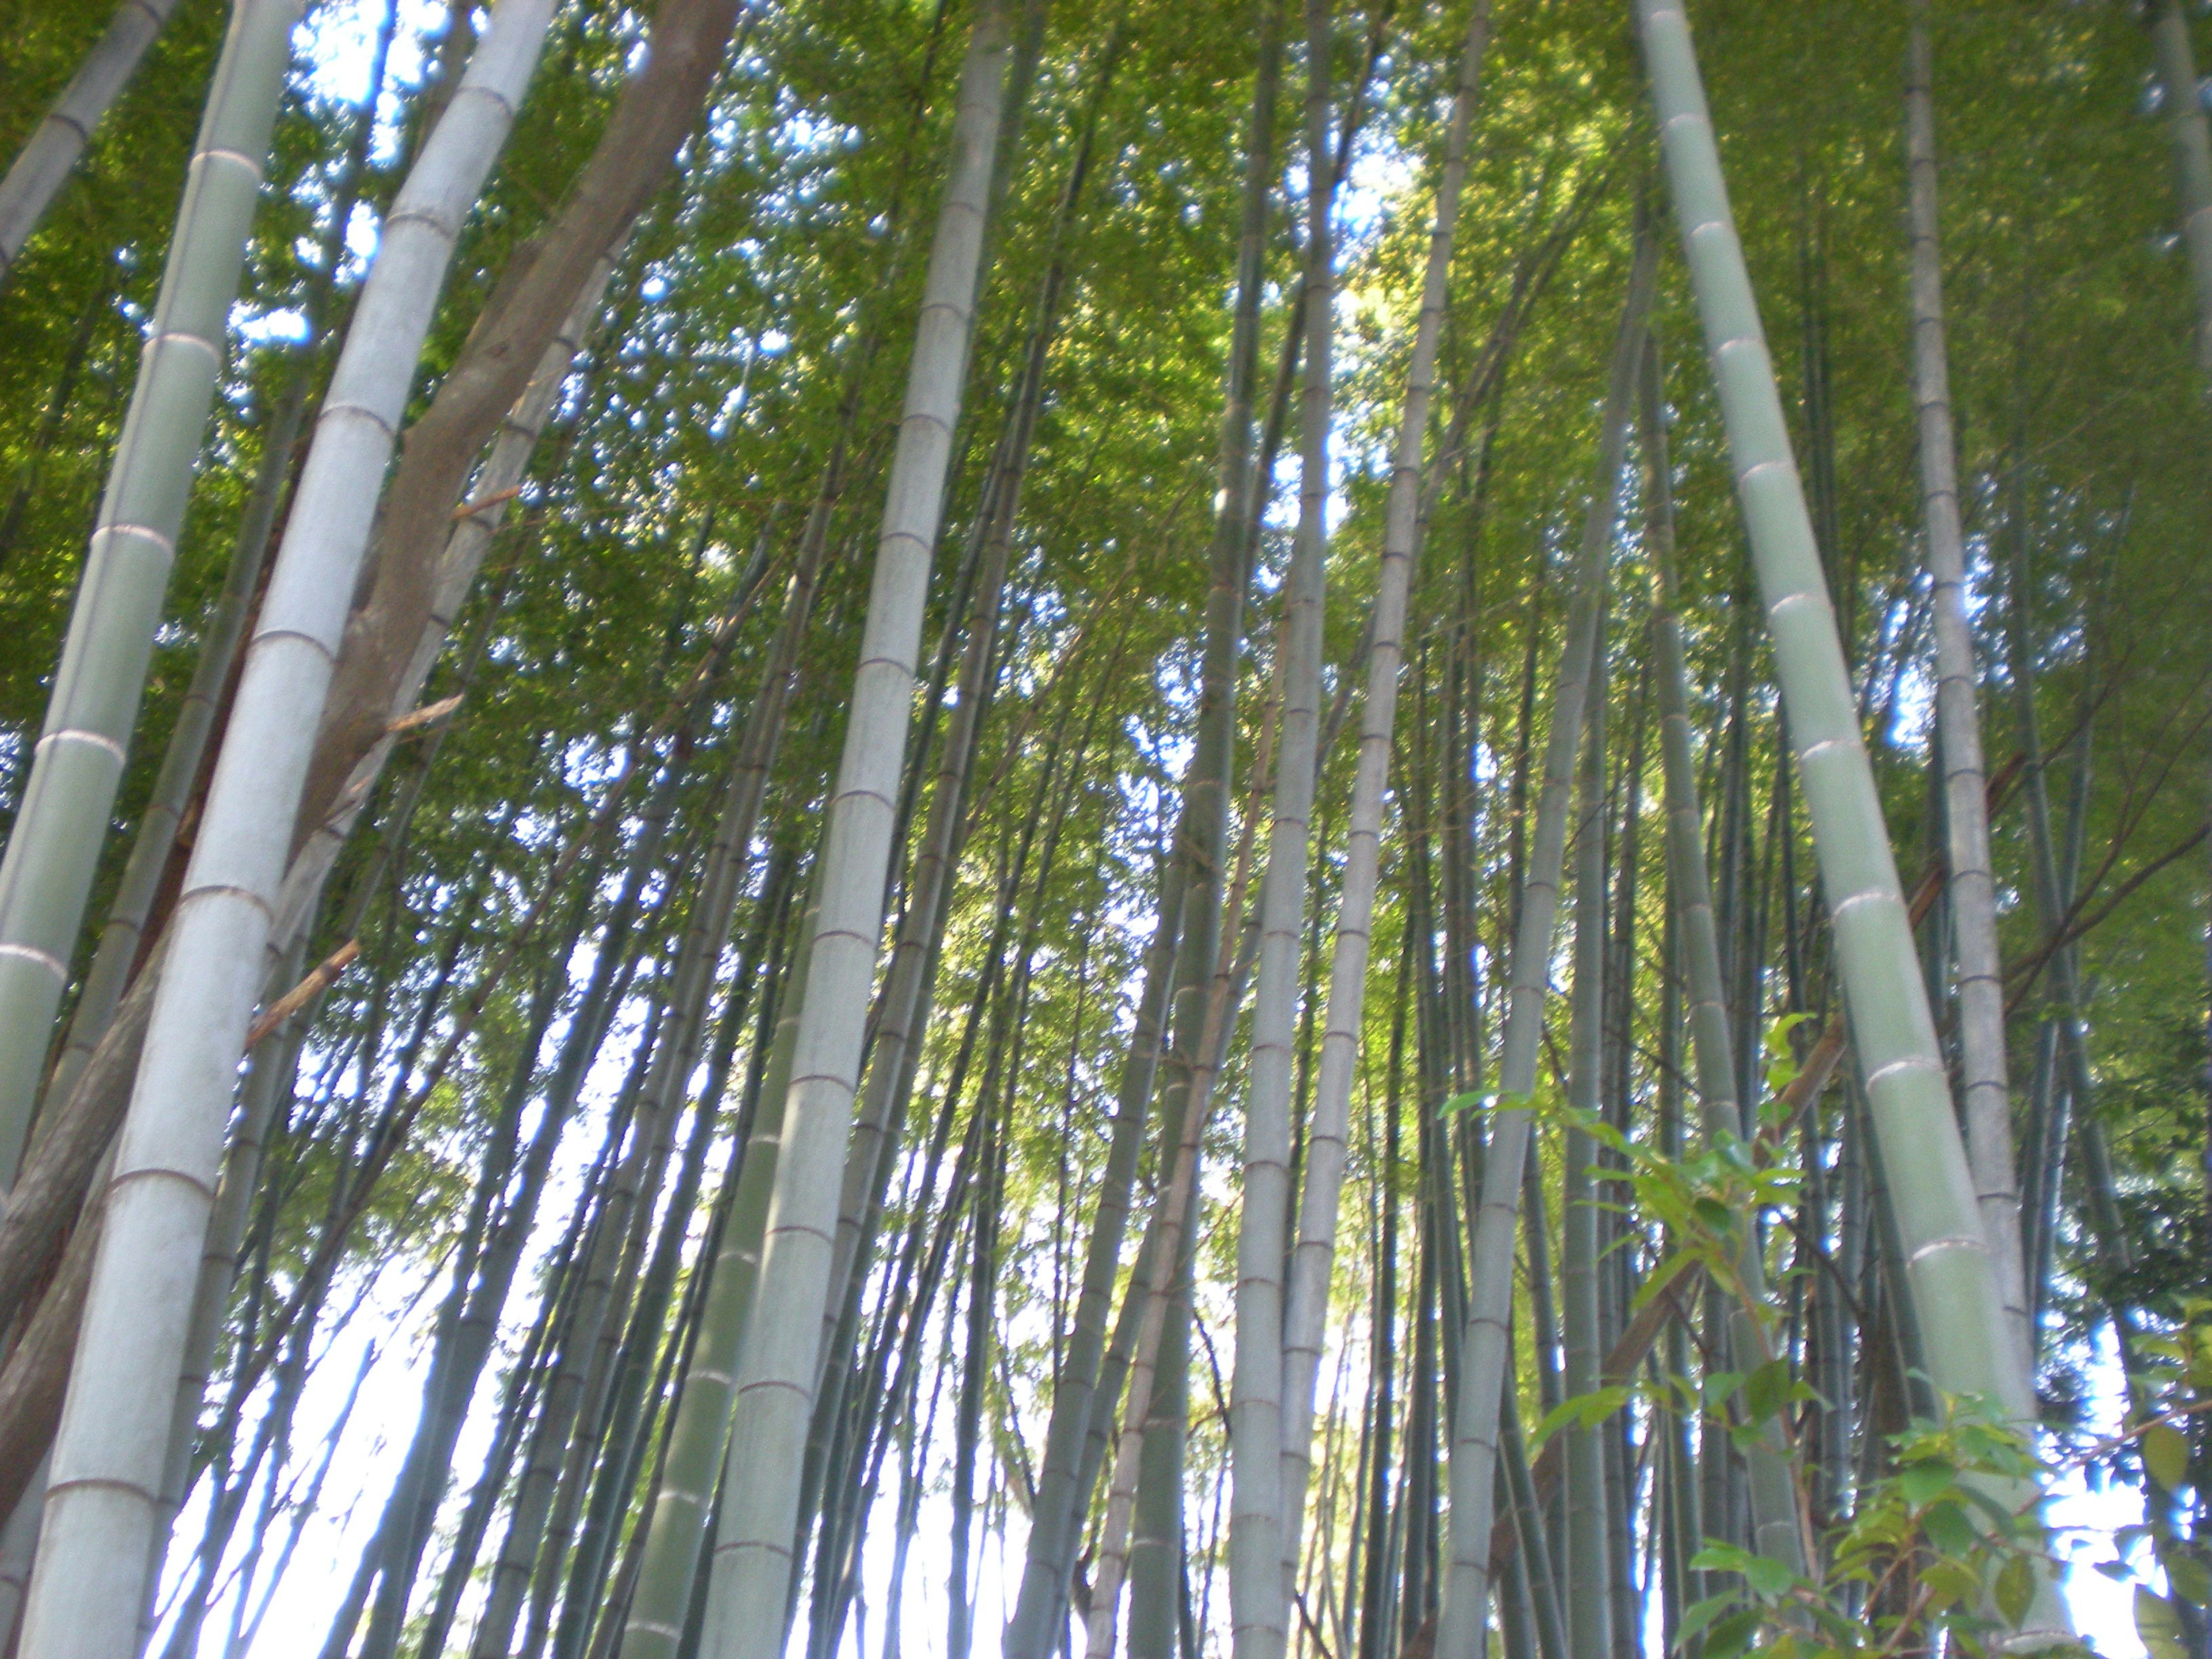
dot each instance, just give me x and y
(1970, 1350)
(777, 1374)
(1306, 1309)
(54, 846)
(479, 522)
(100, 1506)
(43, 165)
(1486, 1338)
(1983, 1084)
(1259, 1601)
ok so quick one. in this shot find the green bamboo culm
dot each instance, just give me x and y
(38, 173)
(54, 848)
(1774, 1515)
(1908, 1092)
(2192, 159)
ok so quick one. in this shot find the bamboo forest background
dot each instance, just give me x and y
(1340, 568)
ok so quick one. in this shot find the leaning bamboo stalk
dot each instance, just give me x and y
(1486, 1338)
(1258, 1525)
(1970, 1350)
(471, 539)
(1985, 1088)
(42, 165)
(777, 1374)
(1306, 1309)
(100, 1507)
(54, 845)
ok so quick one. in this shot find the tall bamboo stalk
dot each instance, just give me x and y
(1258, 1524)
(1773, 1489)
(1984, 1087)
(1588, 1597)
(54, 845)
(42, 165)
(1306, 1306)
(1189, 899)
(1969, 1349)
(778, 1372)
(107, 1457)
(1484, 1340)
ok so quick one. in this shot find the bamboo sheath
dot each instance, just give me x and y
(1944, 1252)
(1258, 1606)
(1985, 1088)
(100, 1506)
(54, 845)
(751, 1569)
(2192, 158)
(1485, 1340)
(42, 167)
(1313, 1252)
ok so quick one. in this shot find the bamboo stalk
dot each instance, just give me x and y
(1984, 1086)
(42, 167)
(1314, 1247)
(54, 845)
(1261, 1543)
(778, 1372)
(101, 1508)
(1483, 1341)
(1925, 1161)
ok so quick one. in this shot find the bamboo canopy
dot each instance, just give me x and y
(1321, 831)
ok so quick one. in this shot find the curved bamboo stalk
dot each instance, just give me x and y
(54, 845)
(42, 165)
(1259, 1608)
(751, 1571)
(1485, 1339)
(1306, 1307)
(100, 1507)
(1970, 1350)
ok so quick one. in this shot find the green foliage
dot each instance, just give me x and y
(1923, 1551)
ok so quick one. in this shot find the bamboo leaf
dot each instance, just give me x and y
(2014, 1589)
(2165, 1454)
(2158, 1622)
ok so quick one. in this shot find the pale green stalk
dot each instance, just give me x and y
(1774, 1507)
(1984, 1087)
(1970, 1350)
(1486, 1340)
(54, 846)
(1258, 1525)
(42, 167)
(1587, 1601)
(1306, 1308)
(777, 1375)
(102, 1505)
